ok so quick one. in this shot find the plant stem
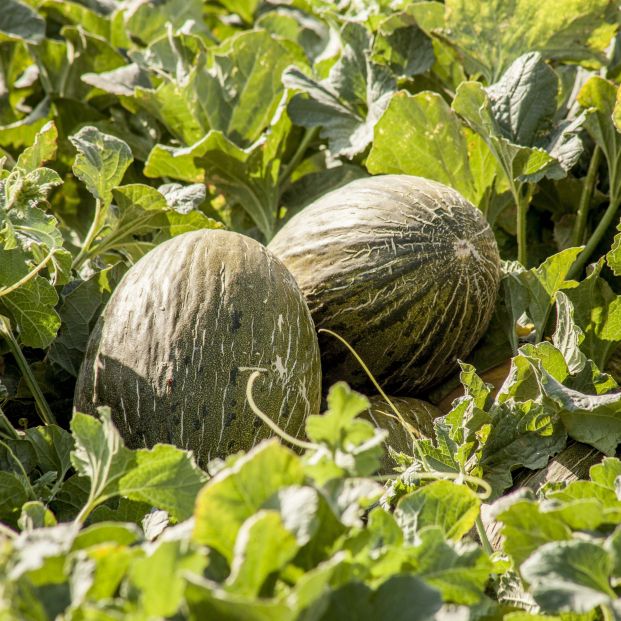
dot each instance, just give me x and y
(90, 237)
(577, 237)
(607, 614)
(487, 546)
(269, 422)
(522, 202)
(29, 276)
(42, 406)
(309, 136)
(7, 427)
(596, 237)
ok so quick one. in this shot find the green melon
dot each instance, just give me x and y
(403, 268)
(417, 413)
(174, 347)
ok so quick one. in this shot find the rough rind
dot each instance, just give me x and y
(172, 350)
(402, 267)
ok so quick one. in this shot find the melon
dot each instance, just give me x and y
(417, 413)
(174, 347)
(404, 268)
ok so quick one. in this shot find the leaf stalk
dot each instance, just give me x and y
(42, 406)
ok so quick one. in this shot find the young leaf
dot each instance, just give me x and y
(101, 161)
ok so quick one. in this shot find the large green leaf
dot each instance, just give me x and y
(250, 177)
(19, 21)
(348, 103)
(570, 576)
(421, 135)
(459, 572)
(494, 34)
(263, 546)
(236, 493)
(430, 506)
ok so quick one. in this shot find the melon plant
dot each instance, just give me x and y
(404, 268)
(173, 349)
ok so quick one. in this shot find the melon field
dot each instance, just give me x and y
(310, 310)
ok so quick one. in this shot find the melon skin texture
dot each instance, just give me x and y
(174, 347)
(404, 268)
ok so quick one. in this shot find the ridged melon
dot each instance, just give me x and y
(403, 268)
(173, 349)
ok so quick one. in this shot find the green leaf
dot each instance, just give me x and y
(263, 546)
(79, 310)
(400, 598)
(493, 35)
(403, 46)
(570, 576)
(452, 507)
(236, 493)
(344, 405)
(165, 477)
(613, 257)
(141, 211)
(518, 128)
(14, 492)
(35, 515)
(101, 161)
(248, 176)
(521, 434)
(599, 97)
(19, 22)
(147, 23)
(592, 419)
(567, 336)
(460, 573)
(420, 135)
(239, 96)
(354, 445)
(348, 103)
(597, 312)
(165, 566)
(206, 600)
(30, 306)
(99, 454)
(52, 446)
(527, 527)
(43, 150)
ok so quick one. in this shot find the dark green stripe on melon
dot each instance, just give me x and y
(172, 350)
(403, 268)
